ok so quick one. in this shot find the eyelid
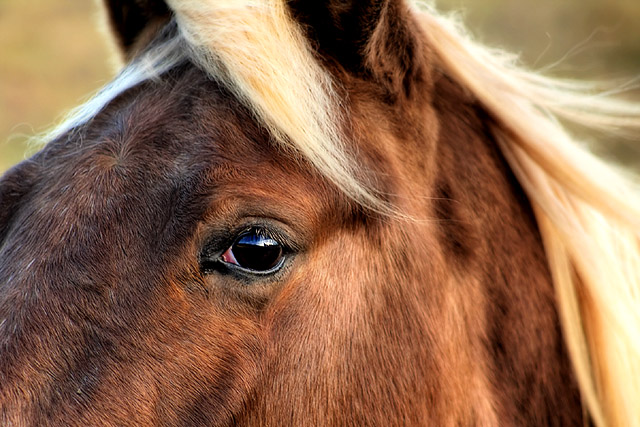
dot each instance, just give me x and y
(250, 272)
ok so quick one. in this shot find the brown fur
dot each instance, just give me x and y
(107, 318)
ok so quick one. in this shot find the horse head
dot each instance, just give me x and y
(279, 213)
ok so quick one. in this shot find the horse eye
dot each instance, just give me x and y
(255, 252)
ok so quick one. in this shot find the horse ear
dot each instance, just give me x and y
(134, 22)
(371, 38)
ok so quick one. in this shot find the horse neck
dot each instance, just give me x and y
(503, 290)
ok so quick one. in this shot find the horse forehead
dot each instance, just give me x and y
(133, 166)
(159, 135)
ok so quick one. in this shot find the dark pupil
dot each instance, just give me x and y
(257, 253)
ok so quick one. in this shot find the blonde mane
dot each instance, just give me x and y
(588, 211)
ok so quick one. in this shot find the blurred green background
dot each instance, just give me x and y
(53, 53)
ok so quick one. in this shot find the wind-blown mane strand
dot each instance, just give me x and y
(588, 211)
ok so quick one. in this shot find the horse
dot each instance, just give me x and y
(333, 212)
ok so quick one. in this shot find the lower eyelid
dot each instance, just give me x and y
(258, 273)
